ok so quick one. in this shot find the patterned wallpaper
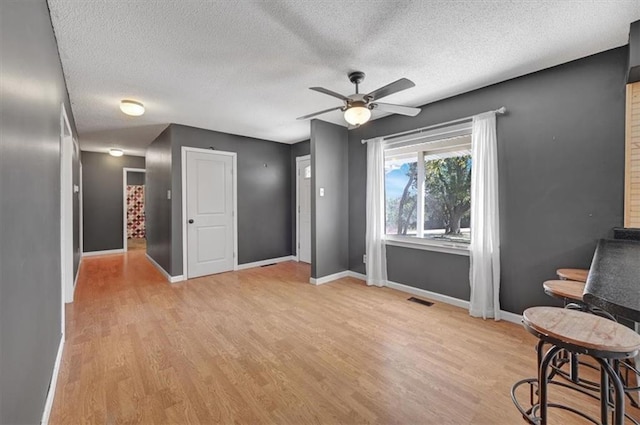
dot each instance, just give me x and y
(135, 211)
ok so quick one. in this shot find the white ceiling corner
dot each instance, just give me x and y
(245, 67)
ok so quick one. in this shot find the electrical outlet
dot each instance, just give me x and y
(168, 194)
(364, 258)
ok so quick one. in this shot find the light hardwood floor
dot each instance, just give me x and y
(263, 346)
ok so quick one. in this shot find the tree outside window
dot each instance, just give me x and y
(446, 195)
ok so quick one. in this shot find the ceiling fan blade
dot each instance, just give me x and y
(329, 92)
(391, 88)
(397, 109)
(319, 113)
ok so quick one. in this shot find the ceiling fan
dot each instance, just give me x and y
(357, 107)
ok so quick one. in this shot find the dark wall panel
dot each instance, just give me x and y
(561, 161)
(31, 93)
(102, 199)
(329, 213)
(157, 204)
(433, 272)
(135, 178)
(264, 193)
(297, 149)
(633, 74)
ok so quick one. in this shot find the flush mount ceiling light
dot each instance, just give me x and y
(116, 152)
(131, 107)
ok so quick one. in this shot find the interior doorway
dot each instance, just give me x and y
(303, 208)
(134, 233)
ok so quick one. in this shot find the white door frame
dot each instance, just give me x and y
(81, 214)
(66, 211)
(234, 179)
(125, 170)
(299, 159)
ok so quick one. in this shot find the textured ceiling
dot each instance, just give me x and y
(244, 67)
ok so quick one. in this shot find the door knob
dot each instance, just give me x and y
(190, 221)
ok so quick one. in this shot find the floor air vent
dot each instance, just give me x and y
(419, 301)
(268, 265)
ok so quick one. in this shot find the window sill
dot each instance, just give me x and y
(428, 245)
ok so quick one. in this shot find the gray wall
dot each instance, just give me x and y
(102, 199)
(297, 149)
(329, 214)
(31, 92)
(436, 270)
(264, 194)
(157, 206)
(561, 161)
(135, 178)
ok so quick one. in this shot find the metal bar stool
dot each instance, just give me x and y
(571, 293)
(606, 341)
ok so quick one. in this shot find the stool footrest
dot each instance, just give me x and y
(531, 414)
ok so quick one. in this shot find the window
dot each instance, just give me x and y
(428, 187)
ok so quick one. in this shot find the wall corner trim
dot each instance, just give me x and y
(505, 315)
(329, 278)
(48, 404)
(265, 262)
(170, 279)
(106, 252)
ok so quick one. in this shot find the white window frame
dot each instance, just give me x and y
(432, 141)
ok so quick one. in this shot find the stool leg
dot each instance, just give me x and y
(607, 372)
(542, 382)
(573, 363)
(539, 352)
(604, 393)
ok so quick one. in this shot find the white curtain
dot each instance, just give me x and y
(375, 247)
(484, 274)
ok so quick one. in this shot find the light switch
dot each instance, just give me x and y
(322, 191)
(169, 194)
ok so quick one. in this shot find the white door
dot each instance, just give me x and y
(210, 232)
(304, 211)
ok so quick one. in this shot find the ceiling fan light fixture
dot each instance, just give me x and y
(357, 114)
(131, 107)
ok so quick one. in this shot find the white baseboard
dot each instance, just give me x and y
(266, 262)
(170, 279)
(48, 404)
(428, 294)
(330, 278)
(75, 280)
(511, 317)
(106, 252)
(357, 275)
(504, 315)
